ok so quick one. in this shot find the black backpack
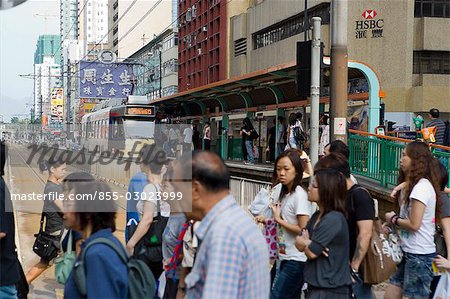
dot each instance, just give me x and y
(141, 283)
(447, 134)
(300, 136)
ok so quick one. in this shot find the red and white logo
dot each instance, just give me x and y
(369, 14)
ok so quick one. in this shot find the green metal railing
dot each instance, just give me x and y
(378, 157)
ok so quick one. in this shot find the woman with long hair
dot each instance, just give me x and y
(246, 133)
(291, 212)
(325, 241)
(416, 223)
(52, 210)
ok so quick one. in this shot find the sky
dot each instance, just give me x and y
(19, 32)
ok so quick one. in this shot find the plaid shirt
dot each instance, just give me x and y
(233, 260)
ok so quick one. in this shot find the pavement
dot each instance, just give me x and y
(22, 178)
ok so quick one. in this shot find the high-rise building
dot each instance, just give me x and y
(202, 51)
(69, 19)
(135, 23)
(47, 70)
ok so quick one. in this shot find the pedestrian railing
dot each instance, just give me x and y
(244, 190)
(377, 157)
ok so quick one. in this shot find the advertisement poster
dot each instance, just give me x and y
(56, 107)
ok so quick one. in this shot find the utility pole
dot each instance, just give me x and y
(315, 89)
(306, 23)
(339, 70)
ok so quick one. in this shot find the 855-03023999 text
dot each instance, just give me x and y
(165, 196)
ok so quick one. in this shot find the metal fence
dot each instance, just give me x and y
(245, 190)
(378, 157)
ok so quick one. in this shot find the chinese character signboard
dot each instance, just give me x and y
(105, 81)
(370, 26)
(56, 107)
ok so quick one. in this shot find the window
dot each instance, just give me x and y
(188, 15)
(432, 8)
(431, 62)
(194, 11)
(289, 27)
(240, 47)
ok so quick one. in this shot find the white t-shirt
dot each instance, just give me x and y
(292, 205)
(188, 135)
(421, 241)
(150, 194)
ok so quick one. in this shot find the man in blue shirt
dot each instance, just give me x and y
(232, 260)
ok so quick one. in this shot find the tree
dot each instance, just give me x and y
(15, 120)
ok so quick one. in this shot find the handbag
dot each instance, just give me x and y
(260, 205)
(378, 264)
(149, 248)
(443, 287)
(64, 263)
(46, 246)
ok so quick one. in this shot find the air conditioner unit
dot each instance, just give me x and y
(205, 29)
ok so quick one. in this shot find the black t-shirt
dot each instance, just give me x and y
(360, 206)
(9, 265)
(54, 221)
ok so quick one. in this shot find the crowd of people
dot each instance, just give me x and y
(316, 230)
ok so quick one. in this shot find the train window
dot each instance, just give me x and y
(117, 129)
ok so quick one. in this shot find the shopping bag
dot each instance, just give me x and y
(443, 287)
(162, 284)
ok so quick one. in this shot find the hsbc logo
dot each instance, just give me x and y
(369, 14)
(370, 24)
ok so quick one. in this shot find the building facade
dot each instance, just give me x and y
(135, 23)
(156, 66)
(202, 52)
(47, 71)
(407, 43)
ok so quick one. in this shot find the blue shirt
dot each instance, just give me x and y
(232, 260)
(106, 273)
(170, 236)
(137, 184)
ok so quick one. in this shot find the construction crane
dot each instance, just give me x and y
(45, 16)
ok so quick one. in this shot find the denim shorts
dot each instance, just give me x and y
(414, 275)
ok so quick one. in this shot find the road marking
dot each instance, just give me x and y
(16, 227)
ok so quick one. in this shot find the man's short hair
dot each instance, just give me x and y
(434, 112)
(338, 146)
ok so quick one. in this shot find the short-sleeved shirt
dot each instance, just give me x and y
(9, 265)
(150, 194)
(421, 241)
(54, 221)
(332, 233)
(188, 135)
(444, 207)
(360, 206)
(293, 205)
(440, 130)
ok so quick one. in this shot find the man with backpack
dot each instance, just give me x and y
(360, 220)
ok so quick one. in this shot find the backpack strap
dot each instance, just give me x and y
(79, 269)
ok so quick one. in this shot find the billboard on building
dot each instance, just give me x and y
(56, 107)
(105, 81)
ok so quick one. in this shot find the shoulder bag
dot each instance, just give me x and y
(46, 246)
(65, 262)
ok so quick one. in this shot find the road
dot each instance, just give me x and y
(22, 178)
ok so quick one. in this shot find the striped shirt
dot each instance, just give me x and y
(232, 260)
(440, 130)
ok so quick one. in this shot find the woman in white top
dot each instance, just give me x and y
(416, 224)
(147, 206)
(325, 135)
(207, 136)
(292, 212)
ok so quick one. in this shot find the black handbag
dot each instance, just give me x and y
(149, 248)
(46, 246)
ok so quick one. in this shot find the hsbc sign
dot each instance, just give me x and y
(370, 26)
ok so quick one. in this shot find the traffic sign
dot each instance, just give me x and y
(107, 56)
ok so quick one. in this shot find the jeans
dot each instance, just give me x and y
(362, 290)
(249, 147)
(8, 292)
(292, 143)
(414, 275)
(288, 280)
